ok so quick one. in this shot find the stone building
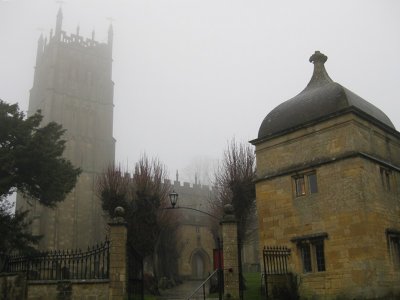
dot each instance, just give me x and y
(198, 233)
(72, 86)
(328, 188)
(196, 239)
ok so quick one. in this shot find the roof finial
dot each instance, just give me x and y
(39, 48)
(320, 76)
(318, 57)
(177, 175)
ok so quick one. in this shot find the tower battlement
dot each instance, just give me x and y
(185, 186)
(194, 195)
(190, 194)
(191, 187)
(75, 40)
(79, 40)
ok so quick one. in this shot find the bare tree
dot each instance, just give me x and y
(143, 196)
(113, 189)
(234, 180)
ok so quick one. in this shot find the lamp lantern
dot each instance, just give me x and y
(173, 198)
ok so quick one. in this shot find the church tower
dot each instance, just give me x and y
(72, 86)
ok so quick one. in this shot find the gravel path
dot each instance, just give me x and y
(183, 290)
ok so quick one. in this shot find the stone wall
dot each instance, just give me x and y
(69, 290)
(195, 246)
(326, 140)
(16, 287)
(13, 286)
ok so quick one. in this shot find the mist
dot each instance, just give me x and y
(191, 75)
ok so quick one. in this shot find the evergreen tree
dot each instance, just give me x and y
(31, 162)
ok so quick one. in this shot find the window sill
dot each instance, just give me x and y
(308, 274)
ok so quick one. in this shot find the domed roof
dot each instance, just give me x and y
(321, 98)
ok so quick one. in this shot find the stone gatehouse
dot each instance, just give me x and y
(328, 188)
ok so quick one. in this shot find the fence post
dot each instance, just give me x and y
(118, 256)
(265, 273)
(230, 254)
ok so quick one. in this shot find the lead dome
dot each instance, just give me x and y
(322, 98)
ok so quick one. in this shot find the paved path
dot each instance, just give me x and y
(183, 290)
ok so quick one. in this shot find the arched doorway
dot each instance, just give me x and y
(197, 266)
(200, 264)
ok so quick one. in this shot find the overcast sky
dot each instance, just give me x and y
(192, 74)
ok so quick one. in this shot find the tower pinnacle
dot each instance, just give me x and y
(39, 48)
(110, 35)
(110, 38)
(59, 23)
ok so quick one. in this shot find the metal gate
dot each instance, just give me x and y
(135, 282)
(275, 263)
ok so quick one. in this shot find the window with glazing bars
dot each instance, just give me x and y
(394, 246)
(385, 178)
(312, 252)
(305, 184)
(319, 255)
(306, 257)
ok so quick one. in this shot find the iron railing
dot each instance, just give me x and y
(275, 263)
(63, 264)
(276, 260)
(201, 286)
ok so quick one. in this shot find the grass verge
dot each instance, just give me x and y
(253, 283)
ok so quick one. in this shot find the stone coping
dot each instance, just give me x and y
(73, 281)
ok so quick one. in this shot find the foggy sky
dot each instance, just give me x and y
(192, 74)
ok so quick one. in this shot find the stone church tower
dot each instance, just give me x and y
(73, 87)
